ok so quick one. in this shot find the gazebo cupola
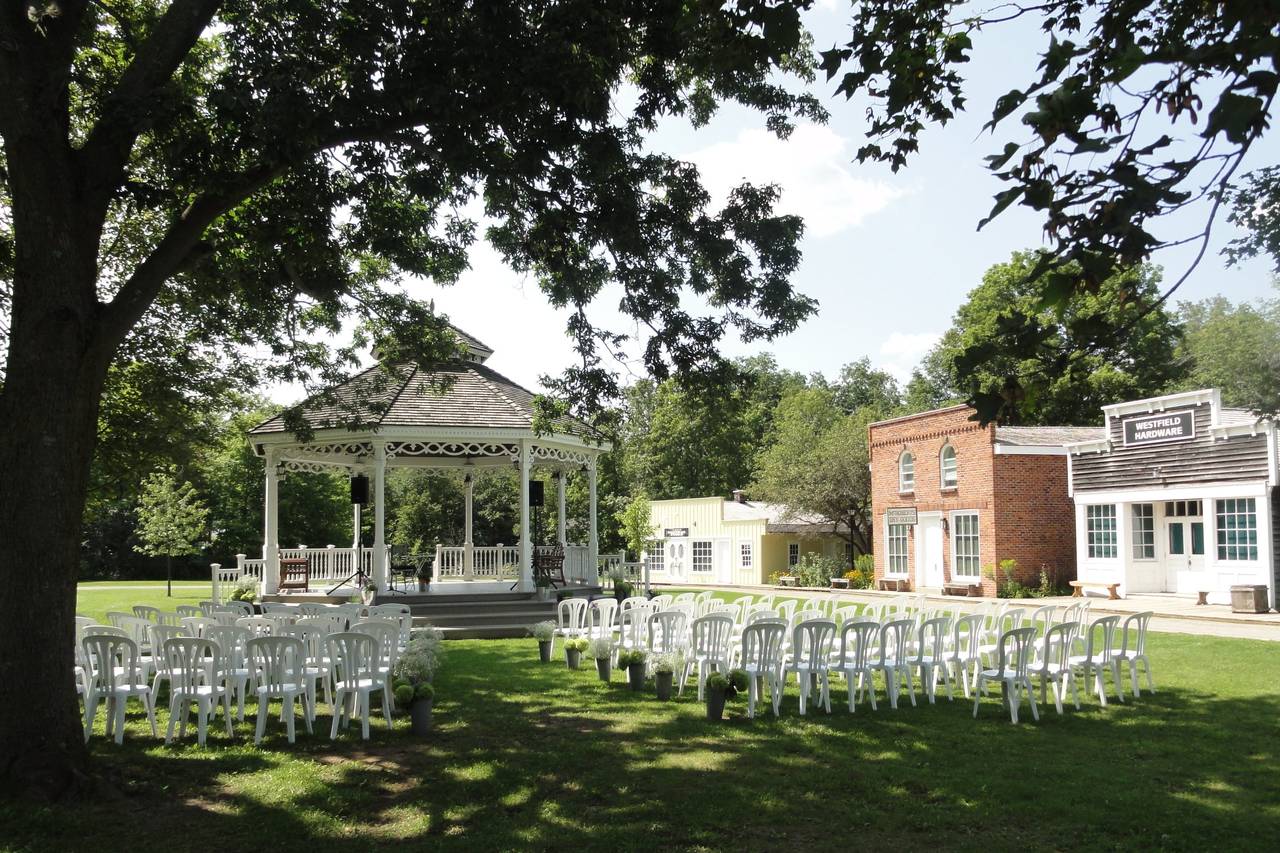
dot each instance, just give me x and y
(456, 416)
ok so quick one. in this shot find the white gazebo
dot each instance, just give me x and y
(457, 416)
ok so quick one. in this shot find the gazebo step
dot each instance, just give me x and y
(505, 617)
(486, 632)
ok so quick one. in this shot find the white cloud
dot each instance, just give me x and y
(812, 168)
(902, 351)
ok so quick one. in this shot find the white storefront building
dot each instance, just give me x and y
(1180, 496)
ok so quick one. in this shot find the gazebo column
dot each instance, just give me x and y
(526, 535)
(271, 527)
(560, 519)
(468, 546)
(593, 539)
(379, 517)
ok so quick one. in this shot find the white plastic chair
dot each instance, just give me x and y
(787, 609)
(1054, 664)
(116, 675)
(1013, 659)
(231, 641)
(930, 656)
(316, 667)
(185, 611)
(387, 635)
(570, 617)
(710, 649)
(893, 661)
(857, 641)
(633, 629)
(355, 679)
(258, 626)
(158, 635)
(1133, 651)
(667, 630)
(762, 660)
(1095, 660)
(277, 665)
(601, 616)
(194, 626)
(811, 659)
(962, 654)
(190, 667)
(146, 611)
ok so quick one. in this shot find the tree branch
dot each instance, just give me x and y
(127, 111)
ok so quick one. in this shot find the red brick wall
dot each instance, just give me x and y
(1024, 512)
(1035, 524)
(924, 435)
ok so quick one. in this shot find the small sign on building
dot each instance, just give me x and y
(675, 532)
(1157, 429)
(900, 515)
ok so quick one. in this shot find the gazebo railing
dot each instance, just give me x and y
(488, 562)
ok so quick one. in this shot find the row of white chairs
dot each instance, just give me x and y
(210, 665)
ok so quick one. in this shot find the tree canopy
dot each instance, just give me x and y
(1135, 111)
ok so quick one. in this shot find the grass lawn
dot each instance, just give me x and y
(530, 756)
(95, 599)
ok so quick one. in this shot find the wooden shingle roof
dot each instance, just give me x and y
(458, 393)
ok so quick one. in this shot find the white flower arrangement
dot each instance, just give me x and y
(543, 632)
(668, 662)
(421, 657)
(600, 647)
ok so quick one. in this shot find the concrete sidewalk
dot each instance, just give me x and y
(1172, 613)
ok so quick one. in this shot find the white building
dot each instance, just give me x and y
(1179, 496)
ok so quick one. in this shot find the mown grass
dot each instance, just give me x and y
(530, 756)
(95, 599)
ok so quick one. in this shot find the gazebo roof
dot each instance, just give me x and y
(463, 394)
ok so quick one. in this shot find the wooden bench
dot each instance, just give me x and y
(971, 590)
(295, 573)
(894, 584)
(788, 580)
(1078, 588)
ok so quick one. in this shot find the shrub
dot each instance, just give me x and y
(404, 695)
(543, 632)
(631, 658)
(738, 680)
(1007, 583)
(1050, 583)
(246, 589)
(863, 574)
(423, 692)
(817, 570)
(717, 682)
(576, 644)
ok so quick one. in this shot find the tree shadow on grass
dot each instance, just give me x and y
(527, 756)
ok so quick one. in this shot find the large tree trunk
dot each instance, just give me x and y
(54, 374)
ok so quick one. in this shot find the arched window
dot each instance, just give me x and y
(950, 473)
(906, 472)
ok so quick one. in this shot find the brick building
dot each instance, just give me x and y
(951, 498)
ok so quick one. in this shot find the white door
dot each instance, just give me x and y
(1184, 549)
(676, 557)
(722, 561)
(931, 558)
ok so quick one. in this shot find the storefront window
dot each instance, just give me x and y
(906, 473)
(655, 554)
(964, 533)
(1144, 532)
(745, 551)
(950, 471)
(1237, 529)
(897, 564)
(701, 556)
(793, 554)
(1101, 531)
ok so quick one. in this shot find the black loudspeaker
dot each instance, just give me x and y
(360, 489)
(535, 493)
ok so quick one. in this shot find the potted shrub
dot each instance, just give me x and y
(573, 649)
(544, 633)
(412, 678)
(542, 584)
(720, 688)
(601, 648)
(369, 592)
(664, 670)
(633, 663)
(246, 589)
(424, 577)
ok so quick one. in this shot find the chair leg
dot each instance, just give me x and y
(173, 716)
(1035, 712)
(1146, 667)
(261, 725)
(977, 697)
(363, 702)
(149, 702)
(339, 700)
(287, 708)
(1115, 680)
(386, 702)
(119, 724)
(203, 712)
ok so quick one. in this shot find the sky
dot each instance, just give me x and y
(888, 257)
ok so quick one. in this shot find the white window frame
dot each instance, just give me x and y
(1101, 543)
(897, 560)
(906, 472)
(694, 555)
(966, 564)
(1241, 510)
(793, 554)
(1142, 536)
(657, 556)
(746, 555)
(954, 468)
